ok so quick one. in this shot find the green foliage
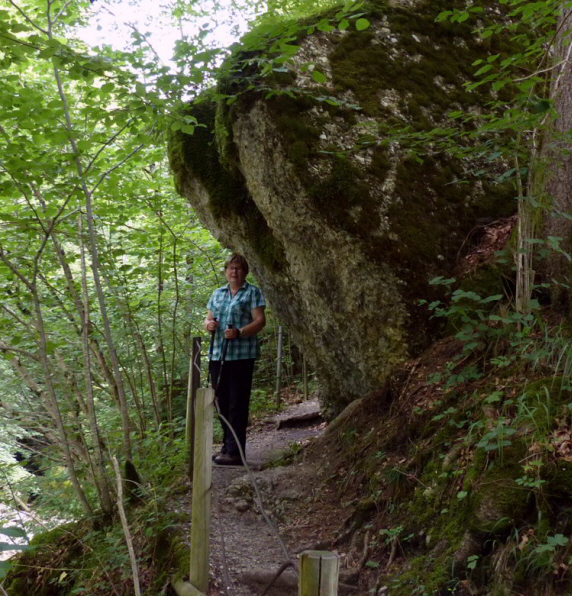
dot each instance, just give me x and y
(78, 125)
(159, 265)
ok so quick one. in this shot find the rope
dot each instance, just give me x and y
(288, 561)
(197, 360)
(280, 571)
(225, 573)
(255, 485)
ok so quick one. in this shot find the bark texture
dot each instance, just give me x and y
(558, 157)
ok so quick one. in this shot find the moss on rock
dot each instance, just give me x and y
(199, 157)
(336, 213)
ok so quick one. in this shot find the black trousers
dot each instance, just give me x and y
(233, 396)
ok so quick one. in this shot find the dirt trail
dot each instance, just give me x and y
(253, 552)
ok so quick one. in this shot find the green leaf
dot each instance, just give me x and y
(6, 546)
(483, 69)
(492, 298)
(343, 24)
(5, 566)
(13, 532)
(372, 564)
(558, 540)
(319, 77)
(541, 106)
(462, 494)
(362, 24)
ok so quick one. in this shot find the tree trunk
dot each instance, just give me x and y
(100, 476)
(125, 421)
(54, 407)
(558, 157)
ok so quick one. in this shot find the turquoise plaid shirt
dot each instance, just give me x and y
(237, 311)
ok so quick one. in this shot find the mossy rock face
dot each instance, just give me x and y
(74, 555)
(498, 503)
(343, 227)
(51, 552)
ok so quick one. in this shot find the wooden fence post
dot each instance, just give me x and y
(305, 377)
(201, 502)
(319, 571)
(193, 385)
(279, 365)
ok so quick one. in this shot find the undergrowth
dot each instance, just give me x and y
(466, 457)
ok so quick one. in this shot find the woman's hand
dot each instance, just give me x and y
(211, 325)
(231, 333)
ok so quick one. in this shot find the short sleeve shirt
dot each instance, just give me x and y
(235, 310)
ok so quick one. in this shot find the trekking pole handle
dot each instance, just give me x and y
(211, 346)
(225, 343)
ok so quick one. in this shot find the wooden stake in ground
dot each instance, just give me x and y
(193, 385)
(279, 366)
(305, 377)
(202, 479)
(319, 571)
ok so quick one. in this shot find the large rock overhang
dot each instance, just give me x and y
(343, 222)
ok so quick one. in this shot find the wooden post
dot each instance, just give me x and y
(305, 377)
(201, 502)
(279, 365)
(319, 571)
(193, 385)
(183, 588)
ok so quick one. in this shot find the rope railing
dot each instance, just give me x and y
(319, 570)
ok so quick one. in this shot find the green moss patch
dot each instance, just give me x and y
(198, 156)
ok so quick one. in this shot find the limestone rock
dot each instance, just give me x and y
(343, 222)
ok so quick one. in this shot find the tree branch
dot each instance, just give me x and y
(27, 17)
(117, 165)
(17, 318)
(106, 144)
(4, 347)
(61, 11)
(126, 532)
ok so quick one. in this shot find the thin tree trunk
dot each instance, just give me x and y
(93, 344)
(125, 421)
(136, 333)
(558, 156)
(102, 484)
(51, 402)
(159, 313)
(174, 318)
(126, 532)
(54, 404)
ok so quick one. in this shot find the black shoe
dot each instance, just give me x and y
(225, 459)
(223, 451)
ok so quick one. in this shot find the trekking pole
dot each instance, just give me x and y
(223, 355)
(211, 347)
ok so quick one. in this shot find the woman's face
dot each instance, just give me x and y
(234, 274)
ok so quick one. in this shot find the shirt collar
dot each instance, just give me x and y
(242, 287)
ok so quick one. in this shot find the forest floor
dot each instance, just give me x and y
(243, 545)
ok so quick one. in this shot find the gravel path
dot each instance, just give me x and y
(253, 552)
